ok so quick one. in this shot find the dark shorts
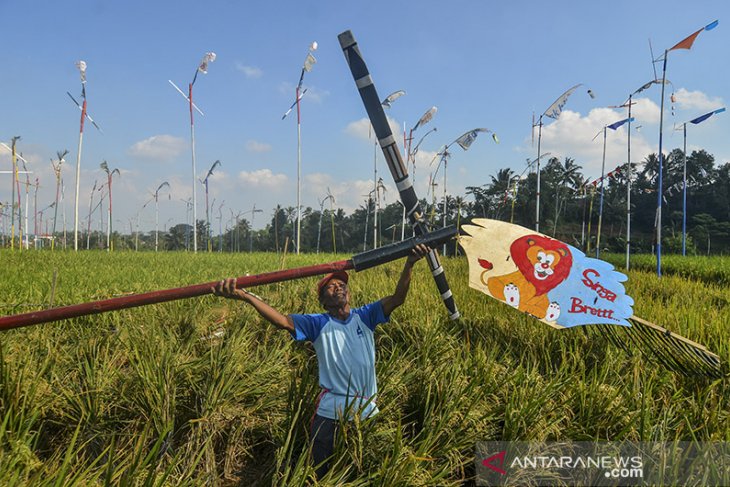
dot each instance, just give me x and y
(323, 434)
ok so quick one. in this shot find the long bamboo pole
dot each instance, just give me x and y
(358, 262)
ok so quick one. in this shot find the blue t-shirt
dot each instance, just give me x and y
(346, 358)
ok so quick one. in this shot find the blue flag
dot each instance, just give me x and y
(704, 117)
(616, 125)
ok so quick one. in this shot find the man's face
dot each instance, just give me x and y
(335, 294)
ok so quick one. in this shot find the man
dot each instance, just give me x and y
(343, 339)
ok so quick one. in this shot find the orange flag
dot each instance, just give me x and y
(687, 42)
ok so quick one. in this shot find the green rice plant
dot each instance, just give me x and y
(713, 270)
(204, 391)
(20, 413)
(155, 370)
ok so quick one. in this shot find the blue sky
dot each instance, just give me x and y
(482, 63)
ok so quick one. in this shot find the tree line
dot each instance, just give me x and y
(569, 207)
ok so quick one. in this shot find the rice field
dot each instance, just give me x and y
(202, 391)
(714, 269)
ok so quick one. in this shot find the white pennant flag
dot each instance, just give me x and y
(309, 62)
(554, 110)
(208, 58)
(81, 65)
(468, 138)
(392, 97)
(427, 117)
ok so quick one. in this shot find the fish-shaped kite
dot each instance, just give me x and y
(557, 284)
(544, 277)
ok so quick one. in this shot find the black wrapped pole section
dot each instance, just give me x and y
(375, 257)
(398, 170)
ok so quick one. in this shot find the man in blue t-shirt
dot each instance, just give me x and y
(343, 339)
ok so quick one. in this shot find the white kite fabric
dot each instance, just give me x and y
(554, 110)
(208, 58)
(392, 97)
(81, 65)
(427, 117)
(309, 62)
(466, 140)
(543, 277)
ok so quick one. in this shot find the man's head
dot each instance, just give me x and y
(332, 290)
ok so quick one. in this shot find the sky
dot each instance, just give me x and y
(481, 63)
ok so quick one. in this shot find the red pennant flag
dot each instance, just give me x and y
(687, 43)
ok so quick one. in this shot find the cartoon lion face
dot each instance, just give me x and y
(543, 261)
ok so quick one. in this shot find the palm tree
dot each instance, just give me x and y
(500, 186)
(291, 214)
(651, 169)
(568, 176)
(480, 198)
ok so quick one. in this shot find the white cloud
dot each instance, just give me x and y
(256, 146)
(349, 195)
(425, 160)
(262, 178)
(572, 135)
(249, 71)
(696, 100)
(319, 182)
(645, 111)
(361, 128)
(180, 189)
(158, 147)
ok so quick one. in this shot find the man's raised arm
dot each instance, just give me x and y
(227, 289)
(390, 303)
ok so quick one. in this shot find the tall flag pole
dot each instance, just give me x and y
(519, 178)
(694, 121)
(332, 219)
(14, 182)
(207, 208)
(208, 58)
(309, 62)
(157, 211)
(81, 65)
(613, 126)
(590, 215)
(88, 225)
(553, 112)
(220, 226)
(629, 104)
(410, 155)
(387, 103)
(685, 43)
(109, 175)
(22, 227)
(628, 186)
(57, 170)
